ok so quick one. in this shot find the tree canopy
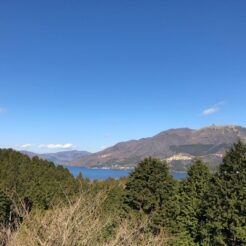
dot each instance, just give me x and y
(149, 186)
(225, 203)
(202, 209)
(38, 181)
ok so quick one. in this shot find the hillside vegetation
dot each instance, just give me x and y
(41, 204)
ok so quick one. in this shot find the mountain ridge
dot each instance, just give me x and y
(61, 157)
(178, 146)
(208, 143)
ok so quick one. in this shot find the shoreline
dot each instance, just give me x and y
(114, 168)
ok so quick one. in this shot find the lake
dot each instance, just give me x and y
(103, 174)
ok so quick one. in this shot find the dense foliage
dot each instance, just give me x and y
(150, 190)
(147, 208)
(203, 209)
(225, 203)
(149, 186)
(37, 182)
(4, 208)
(190, 198)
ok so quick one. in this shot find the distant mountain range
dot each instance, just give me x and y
(177, 146)
(62, 158)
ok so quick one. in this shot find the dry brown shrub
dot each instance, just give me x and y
(81, 224)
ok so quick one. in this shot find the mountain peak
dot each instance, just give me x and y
(218, 127)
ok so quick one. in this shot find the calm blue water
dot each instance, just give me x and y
(106, 173)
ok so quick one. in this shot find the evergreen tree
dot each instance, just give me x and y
(150, 190)
(4, 208)
(190, 199)
(37, 181)
(225, 204)
(148, 185)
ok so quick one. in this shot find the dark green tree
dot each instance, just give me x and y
(37, 181)
(148, 186)
(149, 190)
(4, 208)
(190, 198)
(225, 203)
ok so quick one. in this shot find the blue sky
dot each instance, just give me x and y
(88, 74)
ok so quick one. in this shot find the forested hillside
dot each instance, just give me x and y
(40, 183)
(41, 204)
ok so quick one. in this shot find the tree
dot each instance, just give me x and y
(37, 181)
(4, 208)
(190, 199)
(149, 190)
(225, 203)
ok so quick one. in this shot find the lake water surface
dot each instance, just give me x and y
(102, 174)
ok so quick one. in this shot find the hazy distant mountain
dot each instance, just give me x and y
(177, 146)
(62, 158)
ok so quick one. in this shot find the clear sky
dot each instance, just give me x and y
(88, 74)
